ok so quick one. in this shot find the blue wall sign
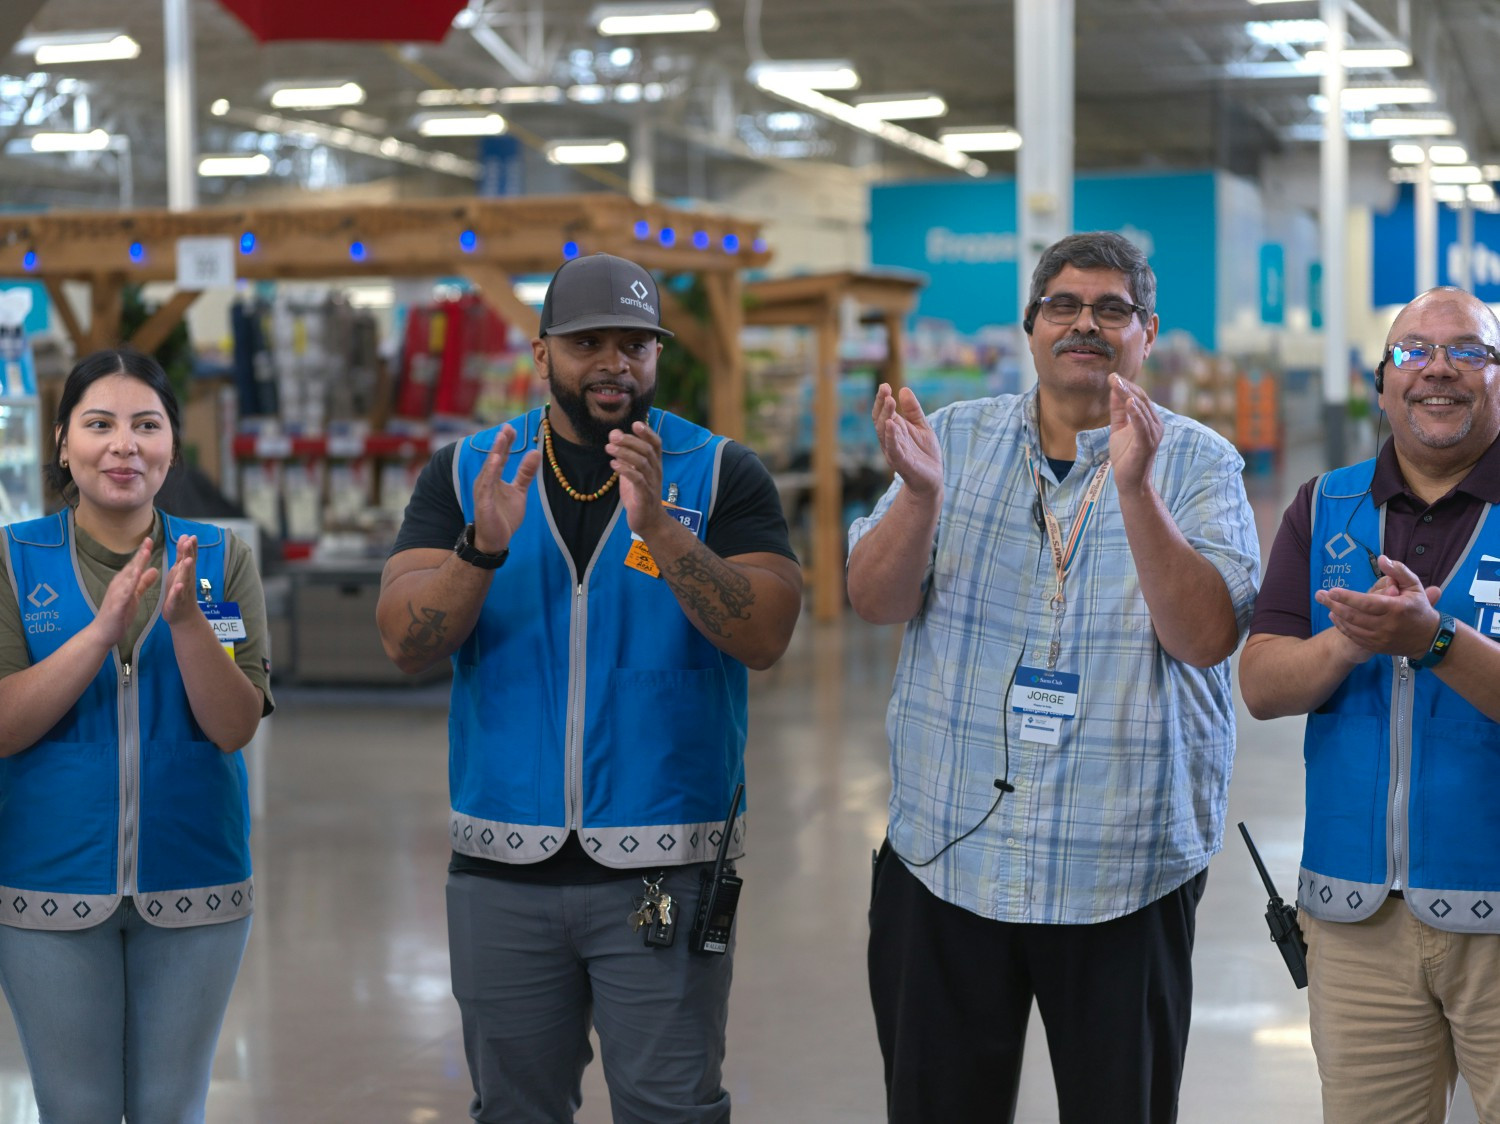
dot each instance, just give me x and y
(1394, 251)
(1272, 283)
(962, 235)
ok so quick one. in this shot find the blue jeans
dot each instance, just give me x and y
(534, 965)
(121, 1019)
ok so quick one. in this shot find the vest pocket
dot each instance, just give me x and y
(1347, 778)
(1455, 821)
(673, 748)
(194, 817)
(59, 817)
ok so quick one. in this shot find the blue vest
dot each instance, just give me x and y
(1402, 771)
(125, 795)
(589, 702)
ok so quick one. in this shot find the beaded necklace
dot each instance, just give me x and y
(573, 492)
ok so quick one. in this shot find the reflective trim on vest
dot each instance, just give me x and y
(1417, 811)
(653, 845)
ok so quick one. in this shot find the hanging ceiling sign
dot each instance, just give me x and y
(205, 263)
(391, 21)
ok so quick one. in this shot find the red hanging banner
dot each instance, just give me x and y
(389, 21)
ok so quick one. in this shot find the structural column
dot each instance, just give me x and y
(182, 170)
(1044, 115)
(1425, 215)
(1333, 218)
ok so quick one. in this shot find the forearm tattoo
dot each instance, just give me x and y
(710, 590)
(426, 633)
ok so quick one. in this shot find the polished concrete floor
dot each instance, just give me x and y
(342, 1013)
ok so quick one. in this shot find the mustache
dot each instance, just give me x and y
(1418, 395)
(1088, 341)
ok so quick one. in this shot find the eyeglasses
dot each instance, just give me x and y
(1413, 355)
(1108, 313)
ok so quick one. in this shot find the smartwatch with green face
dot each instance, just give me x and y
(1440, 644)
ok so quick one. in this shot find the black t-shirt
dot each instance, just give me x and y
(746, 519)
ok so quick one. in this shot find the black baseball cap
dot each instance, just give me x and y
(600, 291)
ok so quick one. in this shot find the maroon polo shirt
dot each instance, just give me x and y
(1428, 538)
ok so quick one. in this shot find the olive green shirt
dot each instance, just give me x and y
(99, 567)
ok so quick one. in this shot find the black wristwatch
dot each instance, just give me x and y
(1440, 644)
(468, 552)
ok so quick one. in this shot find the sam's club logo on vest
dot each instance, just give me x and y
(1336, 569)
(639, 300)
(40, 619)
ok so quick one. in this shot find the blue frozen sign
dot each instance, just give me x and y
(962, 235)
(1395, 252)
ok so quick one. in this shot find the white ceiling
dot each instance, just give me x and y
(1157, 81)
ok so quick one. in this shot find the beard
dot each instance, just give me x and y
(593, 430)
(1440, 440)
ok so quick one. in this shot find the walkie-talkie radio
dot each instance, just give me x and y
(719, 896)
(1282, 920)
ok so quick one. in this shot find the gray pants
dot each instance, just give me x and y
(533, 965)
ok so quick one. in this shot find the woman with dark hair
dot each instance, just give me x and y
(133, 667)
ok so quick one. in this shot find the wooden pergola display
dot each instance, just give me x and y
(816, 302)
(489, 241)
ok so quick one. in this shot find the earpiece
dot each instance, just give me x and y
(1380, 377)
(1030, 321)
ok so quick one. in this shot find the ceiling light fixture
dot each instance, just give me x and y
(1449, 192)
(981, 138)
(654, 19)
(901, 107)
(1408, 153)
(1367, 97)
(467, 125)
(326, 96)
(1411, 126)
(806, 74)
(587, 152)
(1274, 33)
(1480, 193)
(1447, 154)
(80, 46)
(846, 114)
(96, 141)
(255, 164)
(1448, 173)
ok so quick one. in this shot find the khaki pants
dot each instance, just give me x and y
(1398, 1008)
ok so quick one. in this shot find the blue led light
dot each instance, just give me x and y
(137, 252)
(642, 229)
(759, 245)
(467, 241)
(700, 239)
(28, 260)
(357, 250)
(668, 236)
(732, 243)
(570, 250)
(247, 242)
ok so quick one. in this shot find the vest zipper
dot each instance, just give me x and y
(1400, 760)
(577, 687)
(129, 777)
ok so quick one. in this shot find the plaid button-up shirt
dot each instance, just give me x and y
(1130, 803)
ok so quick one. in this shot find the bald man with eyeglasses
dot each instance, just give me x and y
(1378, 619)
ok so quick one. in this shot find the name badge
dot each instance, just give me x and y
(1041, 729)
(225, 618)
(639, 557)
(1039, 691)
(1486, 585)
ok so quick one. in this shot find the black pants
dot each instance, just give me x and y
(952, 993)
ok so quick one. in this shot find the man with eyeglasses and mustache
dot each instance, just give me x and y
(1378, 620)
(1073, 567)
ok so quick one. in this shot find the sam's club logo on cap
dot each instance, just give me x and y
(641, 293)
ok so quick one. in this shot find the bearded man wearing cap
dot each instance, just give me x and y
(601, 614)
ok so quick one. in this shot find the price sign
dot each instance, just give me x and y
(205, 263)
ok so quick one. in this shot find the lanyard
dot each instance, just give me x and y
(1065, 554)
